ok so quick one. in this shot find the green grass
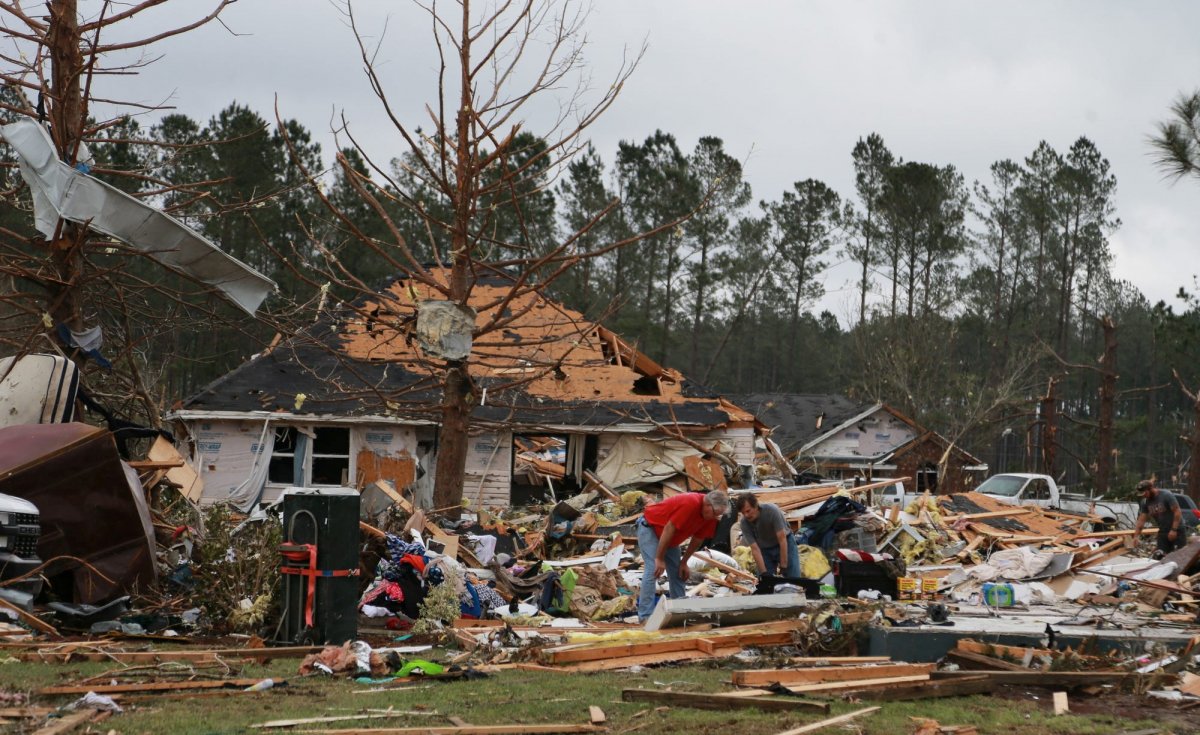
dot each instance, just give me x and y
(512, 697)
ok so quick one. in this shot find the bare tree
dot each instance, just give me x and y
(58, 68)
(475, 168)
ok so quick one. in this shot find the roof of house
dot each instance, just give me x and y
(793, 417)
(540, 363)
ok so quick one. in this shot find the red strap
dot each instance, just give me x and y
(307, 553)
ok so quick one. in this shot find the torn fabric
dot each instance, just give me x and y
(62, 191)
(633, 461)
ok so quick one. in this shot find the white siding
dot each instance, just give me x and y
(488, 478)
(879, 433)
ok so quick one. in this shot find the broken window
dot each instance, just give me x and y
(548, 467)
(330, 456)
(927, 478)
(306, 458)
(283, 469)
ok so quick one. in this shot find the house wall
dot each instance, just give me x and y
(880, 432)
(929, 452)
(223, 453)
(488, 479)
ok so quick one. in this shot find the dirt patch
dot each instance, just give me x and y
(1120, 707)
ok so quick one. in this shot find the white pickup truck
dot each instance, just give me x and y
(1024, 488)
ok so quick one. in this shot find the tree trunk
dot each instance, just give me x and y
(456, 383)
(1108, 397)
(66, 117)
(1049, 447)
(1193, 471)
(453, 439)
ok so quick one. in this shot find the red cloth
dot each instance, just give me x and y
(684, 511)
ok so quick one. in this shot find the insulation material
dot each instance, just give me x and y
(225, 452)
(634, 461)
(62, 191)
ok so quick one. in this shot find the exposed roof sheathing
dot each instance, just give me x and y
(544, 364)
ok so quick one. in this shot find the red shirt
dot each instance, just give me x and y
(684, 512)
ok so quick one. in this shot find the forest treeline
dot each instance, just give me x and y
(972, 297)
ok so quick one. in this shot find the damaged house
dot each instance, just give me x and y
(837, 437)
(560, 402)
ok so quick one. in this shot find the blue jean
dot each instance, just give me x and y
(648, 543)
(771, 556)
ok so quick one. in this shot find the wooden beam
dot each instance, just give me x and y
(337, 718)
(470, 730)
(721, 701)
(726, 568)
(147, 686)
(961, 687)
(73, 721)
(976, 661)
(837, 687)
(818, 674)
(814, 726)
(1048, 678)
(31, 620)
(838, 660)
(200, 656)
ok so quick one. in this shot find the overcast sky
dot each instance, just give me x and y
(789, 87)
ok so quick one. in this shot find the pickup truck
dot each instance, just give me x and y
(1024, 488)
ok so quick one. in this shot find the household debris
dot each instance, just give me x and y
(553, 586)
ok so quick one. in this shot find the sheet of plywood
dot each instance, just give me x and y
(400, 470)
(184, 476)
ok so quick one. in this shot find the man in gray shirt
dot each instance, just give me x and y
(766, 529)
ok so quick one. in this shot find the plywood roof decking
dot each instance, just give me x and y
(570, 371)
(1033, 523)
(559, 352)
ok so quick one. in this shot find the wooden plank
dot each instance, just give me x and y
(648, 660)
(31, 620)
(470, 730)
(1061, 706)
(836, 687)
(596, 715)
(1106, 534)
(818, 674)
(1101, 553)
(72, 722)
(721, 701)
(961, 687)
(837, 660)
(814, 726)
(976, 661)
(1049, 678)
(148, 686)
(726, 568)
(336, 718)
(622, 650)
(198, 656)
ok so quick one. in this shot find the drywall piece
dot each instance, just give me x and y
(730, 610)
(62, 191)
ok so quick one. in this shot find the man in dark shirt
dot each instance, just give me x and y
(765, 528)
(1163, 508)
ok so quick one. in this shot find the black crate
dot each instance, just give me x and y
(327, 517)
(851, 577)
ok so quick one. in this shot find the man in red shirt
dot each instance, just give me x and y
(662, 528)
